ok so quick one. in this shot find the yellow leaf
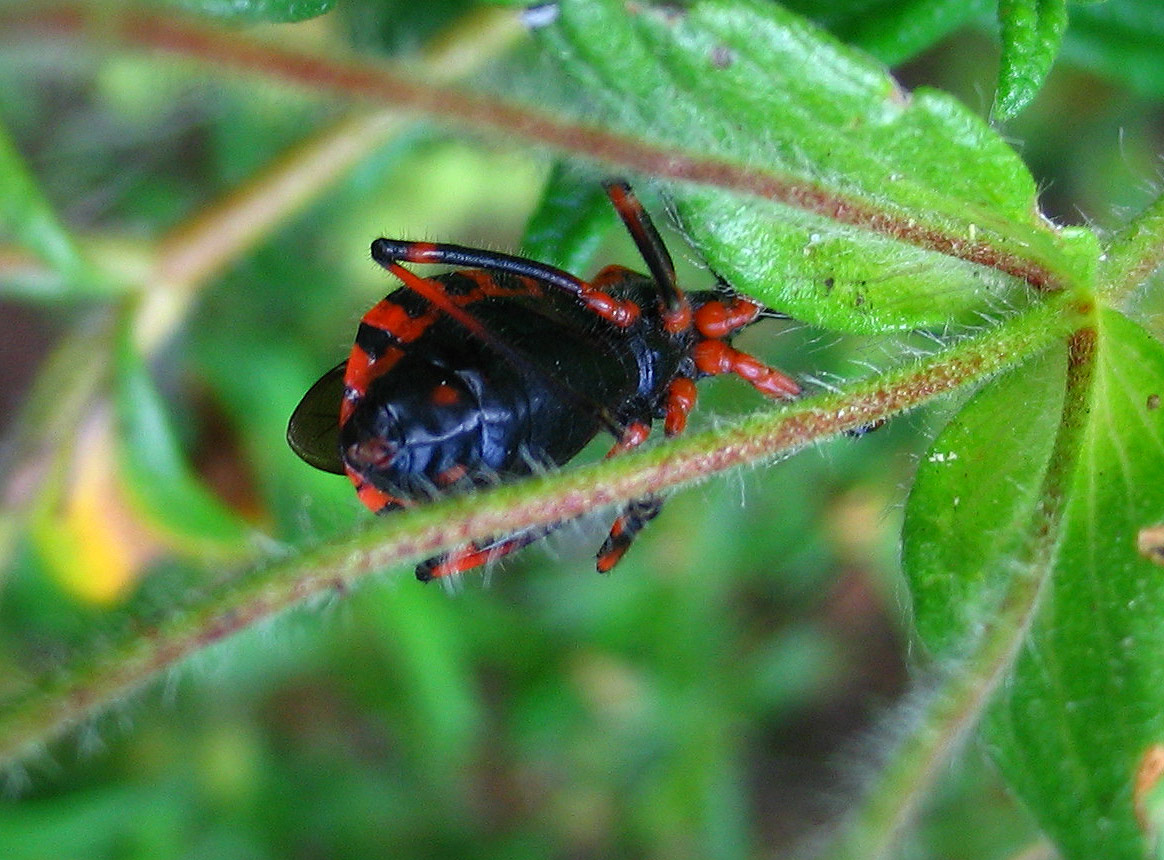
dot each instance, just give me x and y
(93, 541)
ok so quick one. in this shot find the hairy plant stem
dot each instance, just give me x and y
(1133, 255)
(384, 85)
(83, 690)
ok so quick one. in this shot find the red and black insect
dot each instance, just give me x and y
(510, 366)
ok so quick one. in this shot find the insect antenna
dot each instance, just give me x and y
(386, 251)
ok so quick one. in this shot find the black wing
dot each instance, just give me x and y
(313, 432)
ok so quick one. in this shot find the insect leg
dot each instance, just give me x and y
(626, 528)
(722, 317)
(715, 357)
(476, 554)
(681, 395)
(636, 514)
(375, 500)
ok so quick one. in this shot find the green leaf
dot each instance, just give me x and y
(256, 11)
(157, 473)
(834, 276)
(29, 218)
(748, 89)
(1032, 31)
(571, 220)
(1086, 699)
(1123, 39)
(975, 491)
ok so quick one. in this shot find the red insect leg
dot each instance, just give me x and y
(681, 396)
(375, 500)
(635, 434)
(715, 357)
(634, 516)
(626, 528)
(719, 319)
(474, 554)
(716, 319)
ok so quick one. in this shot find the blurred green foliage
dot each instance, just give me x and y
(704, 701)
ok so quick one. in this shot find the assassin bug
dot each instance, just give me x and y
(510, 365)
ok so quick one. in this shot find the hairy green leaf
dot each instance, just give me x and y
(884, 195)
(1086, 700)
(1032, 31)
(974, 495)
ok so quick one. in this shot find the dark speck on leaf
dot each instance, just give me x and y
(722, 57)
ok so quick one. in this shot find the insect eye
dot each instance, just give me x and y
(373, 453)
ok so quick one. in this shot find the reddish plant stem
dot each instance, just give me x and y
(84, 689)
(382, 85)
